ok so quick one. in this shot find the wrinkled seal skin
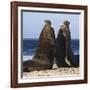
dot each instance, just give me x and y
(44, 55)
(60, 50)
(63, 46)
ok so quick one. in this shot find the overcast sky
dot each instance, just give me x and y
(33, 23)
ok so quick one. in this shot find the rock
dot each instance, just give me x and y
(44, 55)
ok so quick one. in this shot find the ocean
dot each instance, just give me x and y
(30, 45)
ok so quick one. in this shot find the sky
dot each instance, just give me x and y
(33, 23)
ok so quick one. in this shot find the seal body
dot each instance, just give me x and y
(64, 54)
(60, 49)
(44, 55)
(45, 50)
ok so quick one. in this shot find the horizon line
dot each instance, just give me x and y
(38, 38)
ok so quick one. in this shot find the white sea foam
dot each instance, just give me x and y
(76, 52)
(25, 58)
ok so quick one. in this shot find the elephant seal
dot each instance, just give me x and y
(64, 54)
(44, 55)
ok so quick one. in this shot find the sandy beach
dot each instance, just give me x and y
(55, 72)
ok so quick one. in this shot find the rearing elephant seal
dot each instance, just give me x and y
(64, 53)
(44, 55)
(45, 50)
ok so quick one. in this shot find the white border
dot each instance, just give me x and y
(81, 34)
